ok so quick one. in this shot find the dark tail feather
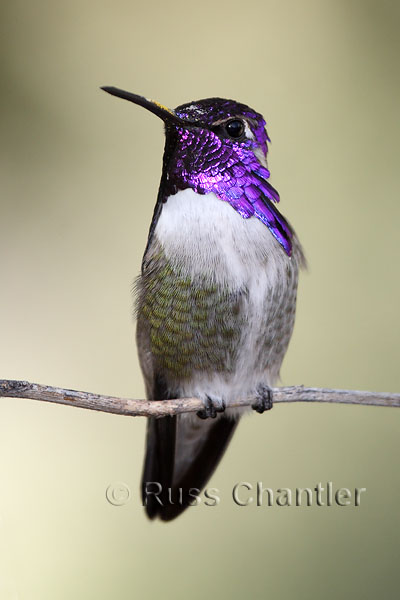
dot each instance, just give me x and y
(181, 456)
(159, 463)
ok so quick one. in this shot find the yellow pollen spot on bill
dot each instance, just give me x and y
(161, 106)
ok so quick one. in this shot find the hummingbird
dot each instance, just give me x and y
(216, 297)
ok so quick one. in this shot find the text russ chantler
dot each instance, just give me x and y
(257, 494)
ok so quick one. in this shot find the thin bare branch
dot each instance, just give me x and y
(143, 408)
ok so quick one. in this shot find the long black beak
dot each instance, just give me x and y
(166, 114)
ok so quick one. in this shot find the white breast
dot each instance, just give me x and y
(206, 236)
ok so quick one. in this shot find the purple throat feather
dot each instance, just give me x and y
(206, 163)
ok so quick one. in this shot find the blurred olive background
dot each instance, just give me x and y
(79, 178)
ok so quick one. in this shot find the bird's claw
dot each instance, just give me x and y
(212, 406)
(263, 399)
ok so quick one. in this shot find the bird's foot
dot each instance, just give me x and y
(263, 399)
(212, 406)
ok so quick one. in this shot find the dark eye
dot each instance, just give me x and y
(235, 128)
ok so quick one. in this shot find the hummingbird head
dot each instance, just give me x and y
(219, 146)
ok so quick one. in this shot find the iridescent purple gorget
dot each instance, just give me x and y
(207, 162)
